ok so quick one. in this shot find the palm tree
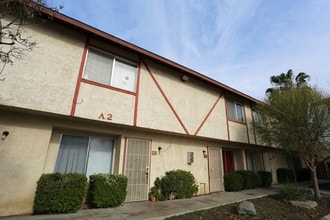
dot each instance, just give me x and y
(285, 81)
(301, 79)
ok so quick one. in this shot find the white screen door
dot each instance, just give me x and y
(215, 169)
(137, 168)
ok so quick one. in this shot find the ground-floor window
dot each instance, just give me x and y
(84, 154)
(249, 161)
(254, 161)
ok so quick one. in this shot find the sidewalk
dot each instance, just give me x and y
(158, 210)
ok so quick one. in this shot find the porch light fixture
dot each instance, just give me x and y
(159, 149)
(204, 154)
(4, 135)
(185, 78)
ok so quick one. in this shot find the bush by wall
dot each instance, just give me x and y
(107, 190)
(59, 193)
(250, 179)
(233, 181)
(291, 191)
(180, 184)
(285, 175)
(303, 174)
(266, 178)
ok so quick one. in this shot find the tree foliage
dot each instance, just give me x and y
(295, 118)
(285, 81)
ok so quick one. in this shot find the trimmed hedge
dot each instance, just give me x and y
(285, 175)
(250, 179)
(178, 184)
(266, 178)
(107, 190)
(233, 181)
(59, 193)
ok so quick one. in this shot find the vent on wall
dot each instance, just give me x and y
(190, 157)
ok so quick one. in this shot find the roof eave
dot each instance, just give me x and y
(53, 15)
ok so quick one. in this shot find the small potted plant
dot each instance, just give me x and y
(153, 194)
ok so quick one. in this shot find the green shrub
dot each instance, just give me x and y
(292, 191)
(59, 193)
(156, 190)
(233, 181)
(285, 175)
(250, 179)
(180, 184)
(303, 174)
(266, 178)
(107, 190)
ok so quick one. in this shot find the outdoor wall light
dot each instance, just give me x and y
(204, 154)
(4, 135)
(185, 78)
(159, 149)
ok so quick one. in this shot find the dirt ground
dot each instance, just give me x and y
(267, 208)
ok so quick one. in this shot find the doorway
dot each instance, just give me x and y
(215, 173)
(137, 163)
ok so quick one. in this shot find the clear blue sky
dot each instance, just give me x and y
(238, 43)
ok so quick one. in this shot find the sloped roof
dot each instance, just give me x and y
(89, 30)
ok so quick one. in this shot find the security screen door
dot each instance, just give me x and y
(137, 169)
(215, 169)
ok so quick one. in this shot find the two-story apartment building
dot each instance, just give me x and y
(85, 101)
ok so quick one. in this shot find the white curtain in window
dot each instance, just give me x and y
(240, 112)
(98, 66)
(72, 154)
(100, 156)
(124, 76)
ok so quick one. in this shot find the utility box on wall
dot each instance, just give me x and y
(190, 157)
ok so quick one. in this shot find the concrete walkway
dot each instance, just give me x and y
(158, 210)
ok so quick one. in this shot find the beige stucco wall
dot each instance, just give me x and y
(198, 111)
(174, 156)
(33, 143)
(46, 81)
(94, 101)
(45, 78)
(153, 111)
(274, 160)
(237, 132)
(22, 156)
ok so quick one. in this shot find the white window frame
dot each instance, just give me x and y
(115, 62)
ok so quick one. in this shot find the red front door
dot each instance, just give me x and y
(227, 158)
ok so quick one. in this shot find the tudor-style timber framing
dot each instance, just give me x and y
(150, 110)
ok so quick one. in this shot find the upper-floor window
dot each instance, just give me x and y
(255, 116)
(107, 69)
(235, 111)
